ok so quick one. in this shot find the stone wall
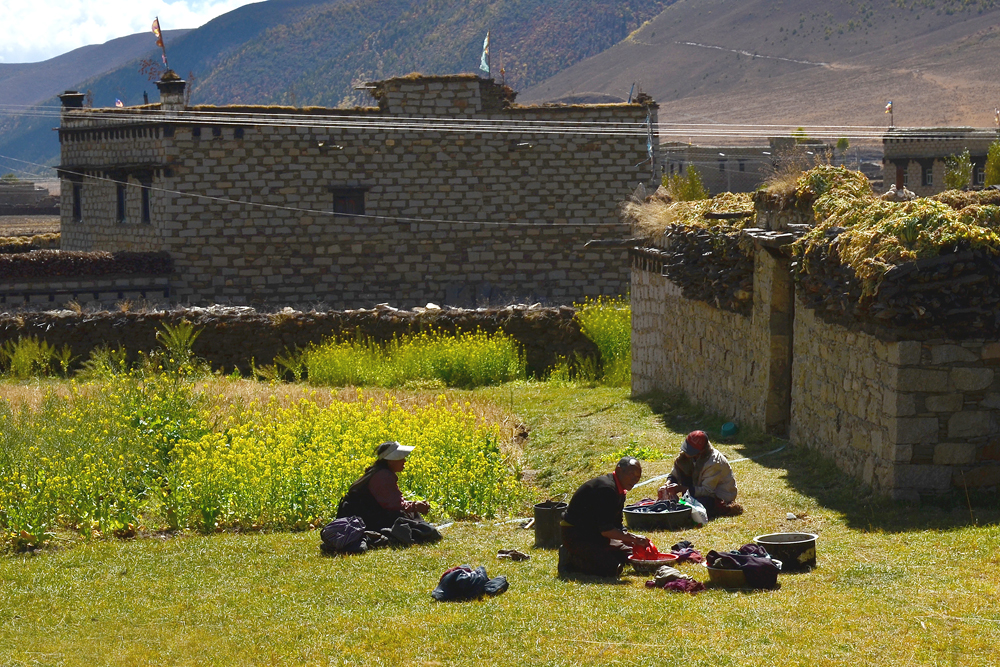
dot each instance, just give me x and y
(691, 346)
(908, 417)
(497, 213)
(232, 337)
(844, 399)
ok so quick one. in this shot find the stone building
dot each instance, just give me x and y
(914, 157)
(19, 197)
(446, 191)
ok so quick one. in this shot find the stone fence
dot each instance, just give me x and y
(231, 337)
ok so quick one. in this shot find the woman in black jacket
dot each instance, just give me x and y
(376, 497)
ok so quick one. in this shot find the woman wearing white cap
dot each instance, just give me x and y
(376, 497)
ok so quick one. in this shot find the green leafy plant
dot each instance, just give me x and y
(958, 171)
(26, 358)
(467, 359)
(685, 187)
(992, 169)
(104, 362)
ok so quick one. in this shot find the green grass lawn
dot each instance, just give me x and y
(895, 585)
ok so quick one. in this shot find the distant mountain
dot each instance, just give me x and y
(750, 62)
(32, 83)
(315, 51)
(835, 62)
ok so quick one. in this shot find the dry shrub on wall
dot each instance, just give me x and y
(788, 166)
(653, 216)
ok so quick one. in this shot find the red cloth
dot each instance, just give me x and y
(618, 485)
(384, 487)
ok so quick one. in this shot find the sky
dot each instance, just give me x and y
(36, 30)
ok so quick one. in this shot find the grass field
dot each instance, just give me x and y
(895, 585)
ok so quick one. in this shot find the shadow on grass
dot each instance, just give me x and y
(813, 475)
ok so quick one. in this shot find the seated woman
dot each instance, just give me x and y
(375, 497)
(704, 472)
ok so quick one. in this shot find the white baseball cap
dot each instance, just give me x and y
(393, 451)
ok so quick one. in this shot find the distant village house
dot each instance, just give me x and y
(446, 191)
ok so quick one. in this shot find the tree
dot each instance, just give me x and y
(992, 171)
(958, 171)
(687, 187)
(842, 145)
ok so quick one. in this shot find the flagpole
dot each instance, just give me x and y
(159, 40)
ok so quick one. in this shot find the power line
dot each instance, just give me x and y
(349, 121)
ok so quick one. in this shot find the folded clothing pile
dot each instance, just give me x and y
(467, 583)
(671, 579)
(760, 570)
(348, 535)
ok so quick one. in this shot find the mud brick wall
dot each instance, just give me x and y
(246, 207)
(232, 337)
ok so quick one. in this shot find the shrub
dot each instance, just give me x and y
(686, 187)
(958, 171)
(992, 170)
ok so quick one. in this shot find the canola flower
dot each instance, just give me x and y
(607, 321)
(465, 359)
(134, 452)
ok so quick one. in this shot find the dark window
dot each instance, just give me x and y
(145, 203)
(980, 175)
(77, 202)
(216, 131)
(349, 201)
(906, 178)
(743, 165)
(121, 202)
(929, 176)
(195, 131)
(722, 165)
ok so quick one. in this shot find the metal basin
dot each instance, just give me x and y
(796, 551)
(658, 520)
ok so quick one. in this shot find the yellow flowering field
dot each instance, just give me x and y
(146, 452)
(464, 359)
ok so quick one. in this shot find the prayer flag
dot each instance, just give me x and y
(888, 107)
(118, 103)
(484, 64)
(156, 31)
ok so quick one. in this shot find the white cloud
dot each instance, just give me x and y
(36, 30)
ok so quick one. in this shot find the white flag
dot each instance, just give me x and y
(485, 63)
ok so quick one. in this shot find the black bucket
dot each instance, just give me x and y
(796, 551)
(548, 533)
